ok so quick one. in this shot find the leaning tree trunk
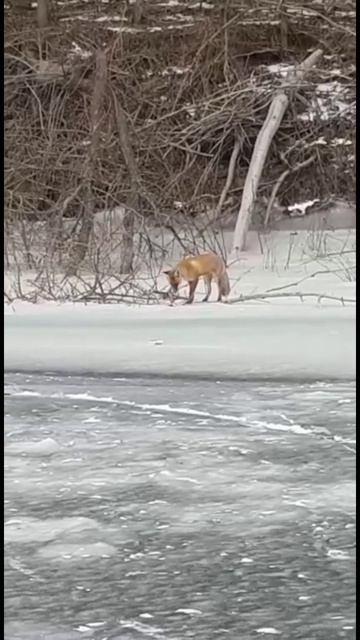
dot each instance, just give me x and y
(261, 148)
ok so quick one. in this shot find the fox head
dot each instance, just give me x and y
(173, 276)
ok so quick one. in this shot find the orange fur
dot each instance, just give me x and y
(191, 268)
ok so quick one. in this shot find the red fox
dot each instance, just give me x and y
(191, 268)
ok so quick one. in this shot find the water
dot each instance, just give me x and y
(174, 509)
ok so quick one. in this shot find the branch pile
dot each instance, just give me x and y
(191, 78)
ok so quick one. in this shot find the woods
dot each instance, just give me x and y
(158, 112)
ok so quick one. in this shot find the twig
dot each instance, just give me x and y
(298, 294)
(296, 284)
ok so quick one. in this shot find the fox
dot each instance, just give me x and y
(191, 268)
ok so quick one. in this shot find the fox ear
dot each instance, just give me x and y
(167, 273)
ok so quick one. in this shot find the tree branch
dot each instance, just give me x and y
(297, 294)
(229, 177)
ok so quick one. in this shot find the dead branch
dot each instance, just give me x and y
(229, 177)
(309, 277)
(297, 294)
(263, 141)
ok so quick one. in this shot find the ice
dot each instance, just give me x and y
(144, 629)
(225, 341)
(28, 630)
(189, 612)
(246, 560)
(76, 552)
(46, 447)
(338, 554)
(32, 529)
(183, 555)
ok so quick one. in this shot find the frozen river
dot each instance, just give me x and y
(174, 509)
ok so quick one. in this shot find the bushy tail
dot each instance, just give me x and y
(224, 284)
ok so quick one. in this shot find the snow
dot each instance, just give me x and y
(301, 208)
(76, 51)
(331, 100)
(231, 341)
(109, 18)
(278, 337)
(281, 69)
(201, 5)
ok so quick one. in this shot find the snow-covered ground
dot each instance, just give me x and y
(286, 336)
(219, 341)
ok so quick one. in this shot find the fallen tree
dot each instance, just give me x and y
(266, 134)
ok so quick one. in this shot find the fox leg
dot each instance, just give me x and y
(219, 284)
(192, 287)
(208, 280)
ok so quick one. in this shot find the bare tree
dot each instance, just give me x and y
(80, 246)
(127, 253)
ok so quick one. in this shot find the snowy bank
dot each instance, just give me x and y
(279, 337)
(217, 340)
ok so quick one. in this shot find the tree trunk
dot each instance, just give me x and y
(127, 247)
(81, 243)
(261, 148)
(135, 11)
(42, 12)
